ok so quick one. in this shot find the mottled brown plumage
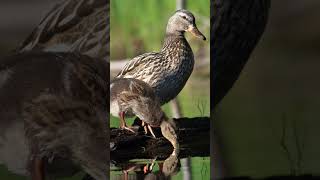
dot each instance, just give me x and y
(135, 97)
(73, 26)
(54, 110)
(167, 71)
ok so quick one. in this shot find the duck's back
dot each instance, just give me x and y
(126, 92)
(134, 86)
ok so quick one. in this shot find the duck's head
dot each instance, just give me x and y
(168, 130)
(183, 21)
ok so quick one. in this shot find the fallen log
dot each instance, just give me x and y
(193, 137)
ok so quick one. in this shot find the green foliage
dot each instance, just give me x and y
(140, 25)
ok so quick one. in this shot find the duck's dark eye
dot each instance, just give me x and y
(184, 17)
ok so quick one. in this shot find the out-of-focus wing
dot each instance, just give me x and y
(73, 26)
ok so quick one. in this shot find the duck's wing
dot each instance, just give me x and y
(140, 66)
(136, 104)
(73, 25)
(127, 100)
(143, 89)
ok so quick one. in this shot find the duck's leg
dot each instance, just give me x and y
(37, 170)
(146, 127)
(149, 167)
(125, 174)
(123, 124)
(151, 131)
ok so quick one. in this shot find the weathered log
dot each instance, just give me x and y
(193, 137)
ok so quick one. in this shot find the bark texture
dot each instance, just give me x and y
(193, 133)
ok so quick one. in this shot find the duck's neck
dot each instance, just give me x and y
(175, 42)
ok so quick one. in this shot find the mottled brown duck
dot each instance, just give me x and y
(54, 115)
(167, 71)
(129, 97)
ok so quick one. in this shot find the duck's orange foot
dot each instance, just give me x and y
(145, 169)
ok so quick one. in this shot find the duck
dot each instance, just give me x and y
(72, 26)
(54, 115)
(133, 97)
(168, 70)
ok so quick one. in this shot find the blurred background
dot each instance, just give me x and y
(138, 27)
(269, 122)
(18, 19)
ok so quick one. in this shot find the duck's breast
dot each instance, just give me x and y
(171, 82)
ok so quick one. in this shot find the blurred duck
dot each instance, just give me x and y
(167, 71)
(54, 115)
(73, 26)
(236, 28)
(129, 97)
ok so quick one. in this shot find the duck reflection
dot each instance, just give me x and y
(137, 170)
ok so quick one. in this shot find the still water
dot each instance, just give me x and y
(173, 168)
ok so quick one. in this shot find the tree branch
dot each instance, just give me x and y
(193, 133)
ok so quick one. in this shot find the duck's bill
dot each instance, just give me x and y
(194, 31)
